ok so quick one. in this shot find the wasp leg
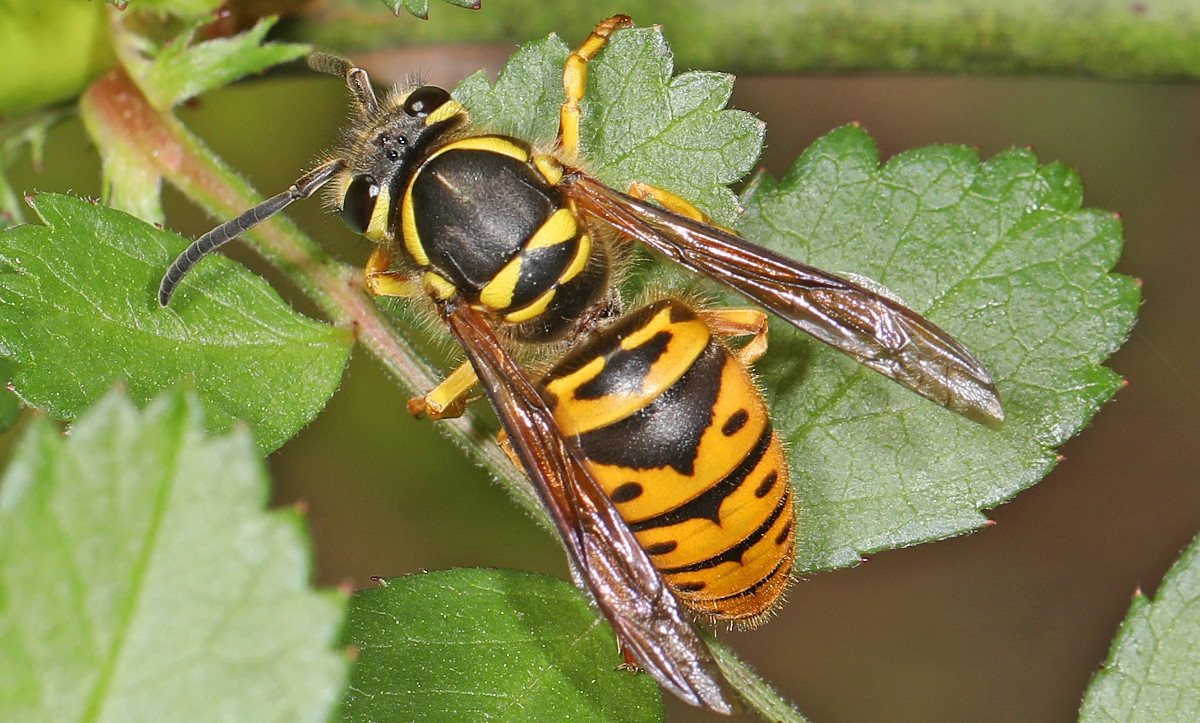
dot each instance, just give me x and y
(575, 82)
(506, 446)
(667, 200)
(630, 663)
(740, 322)
(672, 203)
(449, 398)
(381, 280)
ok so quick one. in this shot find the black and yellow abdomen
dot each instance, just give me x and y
(674, 429)
(483, 215)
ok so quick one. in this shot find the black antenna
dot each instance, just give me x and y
(231, 229)
(356, 79)
(360, 87)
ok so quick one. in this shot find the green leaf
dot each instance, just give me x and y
(525, 100)
(496, 645)
(420, 8)
(417, 8)
(79, 313)
(1001, 255)
(140, 575)
(10, 406)
(639, 123)
(182, 70)
(1153, 669)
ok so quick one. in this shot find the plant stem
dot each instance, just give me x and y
(119, 115)
(1122, 39)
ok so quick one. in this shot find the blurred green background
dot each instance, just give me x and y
(1007, 624)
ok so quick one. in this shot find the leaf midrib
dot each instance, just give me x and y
(102, 691)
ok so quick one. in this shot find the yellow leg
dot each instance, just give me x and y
(740, 322)
(667, 200)
(672, 203)
(575, 83)
(382, 281)
(507, 448)
(448, 399)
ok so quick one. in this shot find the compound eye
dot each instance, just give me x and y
(425, 100)
(359, 203)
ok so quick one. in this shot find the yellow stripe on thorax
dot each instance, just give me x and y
(377, 227)
(549, 167)
(497, 295)
(579, 263)
(408, 219)
(445, 111)
(493, 144)
(408, 229)
(561, 227)
(535, 308)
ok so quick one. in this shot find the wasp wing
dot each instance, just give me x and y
(648, 619)
(879, 332)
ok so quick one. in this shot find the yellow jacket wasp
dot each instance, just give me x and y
(648, 441)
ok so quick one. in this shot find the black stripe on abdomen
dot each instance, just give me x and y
(734, 554)
(708, 505)
(667, 431)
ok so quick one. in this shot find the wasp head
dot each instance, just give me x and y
(383, 144)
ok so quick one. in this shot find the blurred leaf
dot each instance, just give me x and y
(10, 206)
(1097, 39)
(999, 254)
(17, 135)
(182, 70)
(131, 182)
(186, 9)
(487, 645)
(416, 8)
(1153, 669)
(79, 313)
(142, 580)
(49, 51)
(133, 163)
